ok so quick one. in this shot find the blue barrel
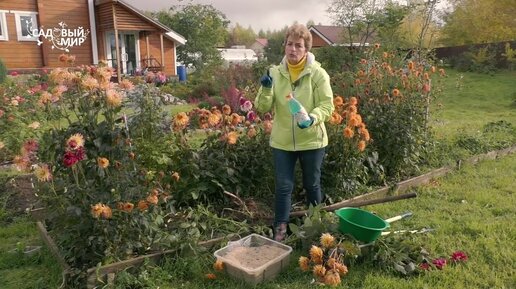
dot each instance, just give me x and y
(181, 73)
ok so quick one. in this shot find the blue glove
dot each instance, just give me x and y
(306, 125)
(266, 80)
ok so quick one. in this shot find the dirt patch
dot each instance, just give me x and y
(18, 193)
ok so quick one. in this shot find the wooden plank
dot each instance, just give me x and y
(382, 192)
(52, 246)
(40, 18)
(39, 214)
(147, 44)
(506, 151)
(162, 50)
(422, 179)
(104, 16)
(117, 44)
(127, 20)
(99, 273)
(20, 5)
(372, 195)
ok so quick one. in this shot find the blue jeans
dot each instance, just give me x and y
(284, 167)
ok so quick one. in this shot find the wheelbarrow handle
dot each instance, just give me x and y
(399, 217)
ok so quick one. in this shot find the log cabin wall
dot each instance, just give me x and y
(105, 22)
(27, 54)
(75, 14)
(126, 20)
(170, 68)
(18, 54)
(317, 41)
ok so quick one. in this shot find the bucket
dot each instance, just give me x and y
(181, 73)
(362, 225)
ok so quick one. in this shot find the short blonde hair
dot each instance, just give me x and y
(300, 31)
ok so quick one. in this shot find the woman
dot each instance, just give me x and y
(299, 74)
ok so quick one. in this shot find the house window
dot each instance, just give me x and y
(3, 26)
(26, 22)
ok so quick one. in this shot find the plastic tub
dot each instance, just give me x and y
(362, 225)
(254, 258)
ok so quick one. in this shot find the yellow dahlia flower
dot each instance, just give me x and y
(316, 254)
(304, 263)
(327, 240)
(103, 162)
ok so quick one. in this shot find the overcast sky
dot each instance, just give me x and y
(259, 14)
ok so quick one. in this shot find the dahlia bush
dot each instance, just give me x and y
(394, 90)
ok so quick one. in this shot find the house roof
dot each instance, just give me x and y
(169, 33)
(336, 35)
(331, 34)
(262, 41)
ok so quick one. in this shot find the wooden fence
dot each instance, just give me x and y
(458, 51)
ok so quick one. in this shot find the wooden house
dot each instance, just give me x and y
(33, 33)
(259, 46)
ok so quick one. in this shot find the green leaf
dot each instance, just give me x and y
(158, 220)
(294, 228)
(195, 195)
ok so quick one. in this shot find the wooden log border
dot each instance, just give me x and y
(403, 186)
(106, 273)
(98, 275)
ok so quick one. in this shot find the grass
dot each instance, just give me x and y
(472, 210)
(472, 100)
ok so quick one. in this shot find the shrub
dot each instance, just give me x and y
(3, 72)
(19, 114)
(231, 158)
(393, 95)
(350, 165)
(509, 54)
(483, 59)
(336, 58)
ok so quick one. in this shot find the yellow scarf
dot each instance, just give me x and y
(295, 69)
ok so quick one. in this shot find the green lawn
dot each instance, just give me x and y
(472, 210)
(471, 100)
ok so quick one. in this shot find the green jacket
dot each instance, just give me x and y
(313, 91)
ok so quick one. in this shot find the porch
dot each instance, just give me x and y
(131, 42)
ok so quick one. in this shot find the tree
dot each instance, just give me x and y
(239, 35)
(479, 21)
(275, 49)
(388, 22)
(204, 28)
(356, 17)
(419, 28)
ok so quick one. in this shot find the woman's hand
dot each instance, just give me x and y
(266, 80)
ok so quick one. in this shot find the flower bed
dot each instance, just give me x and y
(97, 275)
(101, 273)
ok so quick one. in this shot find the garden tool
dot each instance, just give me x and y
(398, 217)
(424, 230)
